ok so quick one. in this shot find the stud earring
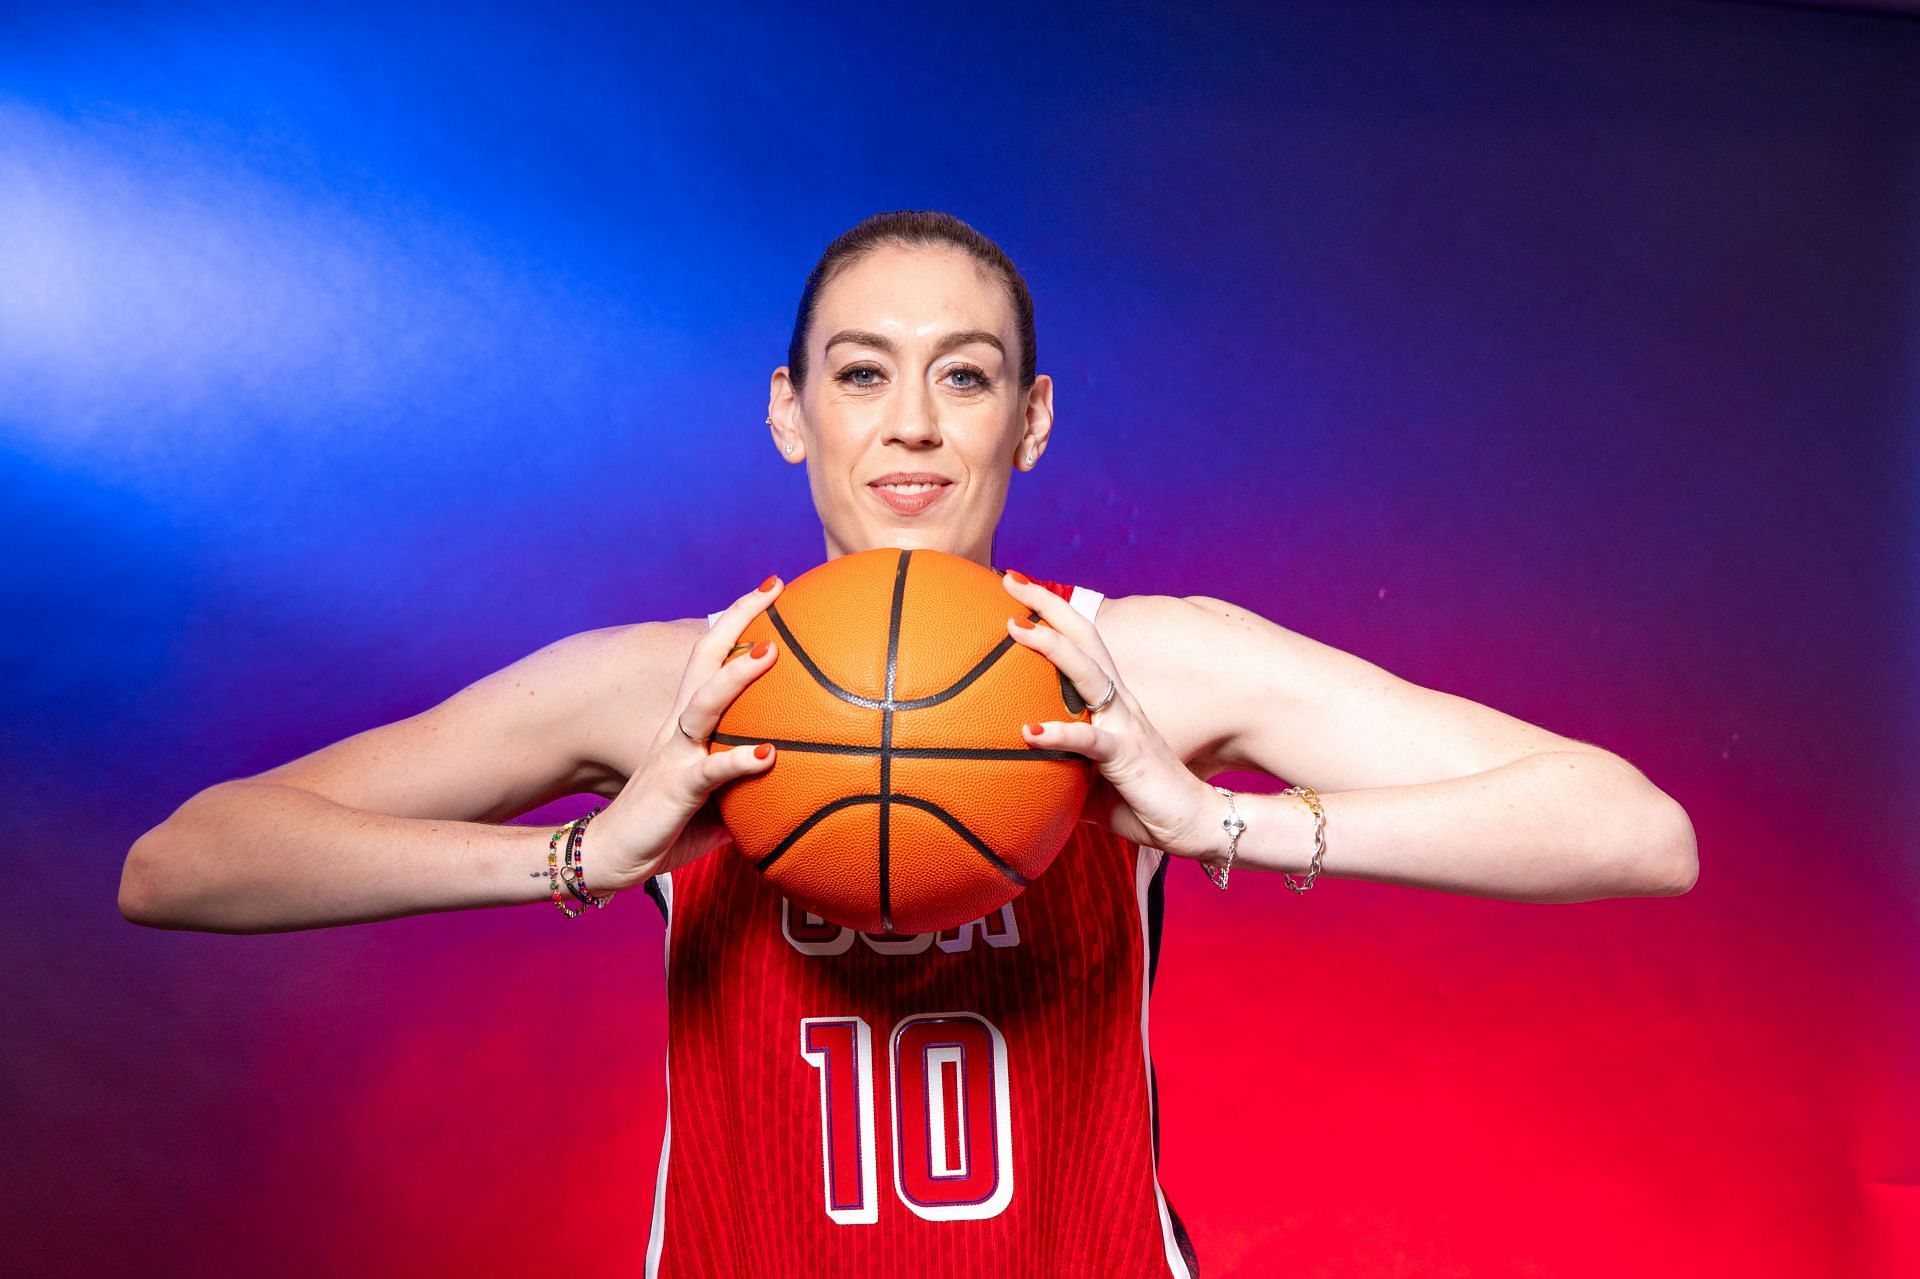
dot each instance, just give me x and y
(1029, 457)
(769, 419)
(787, 448)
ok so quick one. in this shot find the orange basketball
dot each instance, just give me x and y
(902, 797)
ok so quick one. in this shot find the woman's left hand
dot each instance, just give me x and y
(1144, 793)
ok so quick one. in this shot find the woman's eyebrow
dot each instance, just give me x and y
(880, 342)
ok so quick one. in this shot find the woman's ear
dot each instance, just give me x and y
(783, 407)
(1038, 423)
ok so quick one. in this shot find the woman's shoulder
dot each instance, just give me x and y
(623, 680)
(603, 653)
(1149, 635)
(1191, 661)
(1201, 637)
(1172, 618)
(1145, 615)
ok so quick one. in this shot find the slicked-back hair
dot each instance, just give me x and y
(910, 228)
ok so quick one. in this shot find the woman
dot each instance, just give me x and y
(1024, 1139)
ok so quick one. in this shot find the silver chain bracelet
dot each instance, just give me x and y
(1233, 824)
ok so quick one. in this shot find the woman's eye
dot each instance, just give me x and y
(867, 375)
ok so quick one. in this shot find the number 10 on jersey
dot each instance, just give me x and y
(951, 1138)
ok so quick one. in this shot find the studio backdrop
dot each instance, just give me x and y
(1562, 356)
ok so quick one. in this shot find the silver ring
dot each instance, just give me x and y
(1103, 703)
(684, 733)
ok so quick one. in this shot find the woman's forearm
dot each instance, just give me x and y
(1559, 826)
(258, 857)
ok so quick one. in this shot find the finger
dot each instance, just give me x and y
(701, 715)
(1056, 612)
(1087, 675)
(712, 649)
(711, 772)
(1078, 736)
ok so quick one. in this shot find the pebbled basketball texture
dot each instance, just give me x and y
(902, 797)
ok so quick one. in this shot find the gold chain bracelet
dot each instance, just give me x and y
(1312, 800)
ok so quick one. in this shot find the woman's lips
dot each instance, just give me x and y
(909, 503)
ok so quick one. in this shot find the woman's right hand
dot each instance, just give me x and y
(664, 816)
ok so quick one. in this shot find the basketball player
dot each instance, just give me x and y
(979, 1100)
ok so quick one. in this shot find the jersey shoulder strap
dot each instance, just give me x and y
(1085, 601)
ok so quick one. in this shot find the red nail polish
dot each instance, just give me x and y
(1023, 623)
(763, 750)
(1034, 729)
(1019, 577)
(768, 584)
(761, 649)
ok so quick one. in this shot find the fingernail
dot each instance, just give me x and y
(1034, 729)
(761, 649)
(1023, 623)
(1019, 577)
(768, 584)
(763, 750)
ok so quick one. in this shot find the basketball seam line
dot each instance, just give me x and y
(953, 823)
(902, 752)
(959, 828)
(953, 690)
(886, 729)
(818, 815)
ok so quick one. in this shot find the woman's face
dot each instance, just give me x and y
(914, 374)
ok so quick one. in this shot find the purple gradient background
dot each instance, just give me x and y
(1564, 357)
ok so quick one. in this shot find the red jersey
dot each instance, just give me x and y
(979, 1100)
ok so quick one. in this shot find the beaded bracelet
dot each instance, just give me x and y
(576, 883)
(553, 869)
(571, 832)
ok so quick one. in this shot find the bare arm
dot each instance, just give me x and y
(1551, 826)
(401, 819)
(1420, 787)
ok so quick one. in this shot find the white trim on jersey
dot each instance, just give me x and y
(1088, 602)
(657, 1232)
(1145, 864)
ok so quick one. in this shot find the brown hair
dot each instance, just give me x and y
(910, 227)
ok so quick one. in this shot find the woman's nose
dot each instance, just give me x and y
(913, 422)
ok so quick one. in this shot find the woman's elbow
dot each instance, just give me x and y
(143, 882)
(1683, 856)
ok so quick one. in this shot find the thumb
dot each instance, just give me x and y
(1105, 807)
